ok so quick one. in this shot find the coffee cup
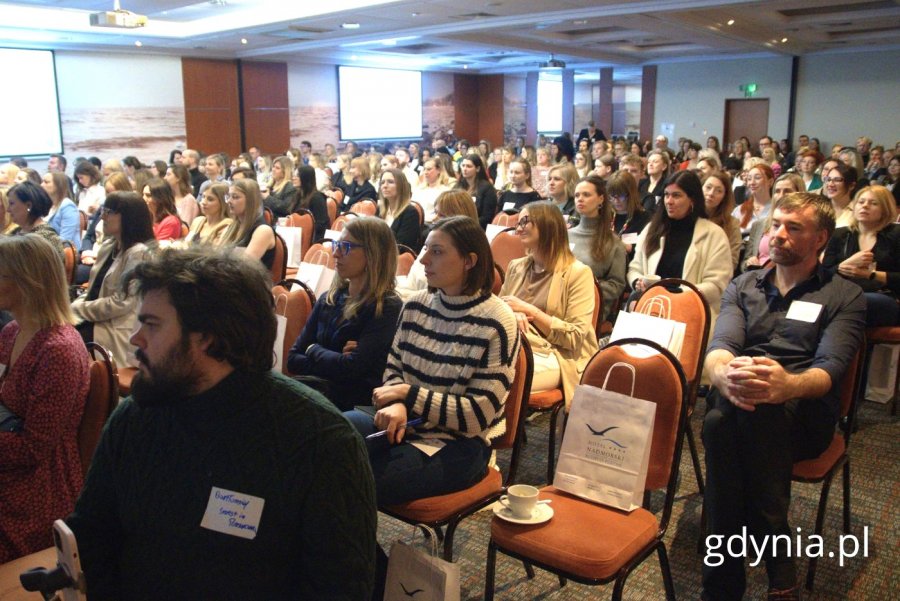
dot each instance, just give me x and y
(650, 279)
(520, 500)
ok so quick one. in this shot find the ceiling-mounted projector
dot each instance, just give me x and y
(553, 63)
(122, 19)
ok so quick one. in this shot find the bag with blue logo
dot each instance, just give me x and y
(606, 446)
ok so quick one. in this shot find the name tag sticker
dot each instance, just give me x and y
(233, 513)
(509, 206)
(804, 311)
(629, 238)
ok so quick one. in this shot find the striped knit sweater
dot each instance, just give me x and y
(458, 354)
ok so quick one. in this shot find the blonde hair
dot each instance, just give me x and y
(553, 236)
(36, 268)
(569, 174)
(287, 168)
(444, 177)
(404, 195)
(240, 227)
(884, 199)
(4, 203)
(362, 168)
(456, 202)
(380, 249)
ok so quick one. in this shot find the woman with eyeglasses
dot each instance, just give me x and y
(758, 203)
(45, 379)
(249, 229)
(630, 217)
(868, 253)
(106, 313)
(839, 185)
(806, 167)
(342, 350)
(209, 227)
(681, 242)
(552, 295)
(449, 369)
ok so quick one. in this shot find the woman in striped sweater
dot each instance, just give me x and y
(451, 364)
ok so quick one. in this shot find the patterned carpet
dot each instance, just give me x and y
(875, 486)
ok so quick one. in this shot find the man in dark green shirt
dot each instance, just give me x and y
(220, 479)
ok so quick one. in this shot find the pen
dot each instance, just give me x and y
(412, 422)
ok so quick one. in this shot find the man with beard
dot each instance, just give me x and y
(783, 340)
(218, 478)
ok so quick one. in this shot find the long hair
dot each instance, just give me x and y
(183, 178)
(884, 199)
(443, 177)
(404, 195)
(721, 216)
(307, 188)
(661, 223)
(569, 175)
(455, 202)
(61, 186)
(469, 238)
(380, 249)
(36, 268)
(137, 222)
(163, 199)
(622, 183)
(553, 236)
(219, 191)
(480, 174)
(287, 167)
(239, 228)
(603, 238)
(747, 205)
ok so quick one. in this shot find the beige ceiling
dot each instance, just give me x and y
(501, 36)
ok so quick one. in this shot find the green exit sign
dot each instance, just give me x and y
(748, 89)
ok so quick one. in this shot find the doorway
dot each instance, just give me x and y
(745, 117)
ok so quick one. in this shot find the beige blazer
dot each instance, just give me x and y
(570, 303)
(114, 316)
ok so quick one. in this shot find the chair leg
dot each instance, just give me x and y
(695, 457)
(820, 519)
(551, 448)
(489, 571)
(666, 571)
(562, 580)
(529, 570)
(847, 496)
(448, 541)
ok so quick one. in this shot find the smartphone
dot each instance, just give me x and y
(67, 557)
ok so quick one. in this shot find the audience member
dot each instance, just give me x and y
(719, 197)
(434, 183)
(758, 203)
(166, 224)
(210, 226)
(396, 209)
(63, 216)
(249, 229)
(840, 184)
(179, 180)
(473, 179)
(90, 188)
(519, 192)
(28, 205)
(630, 218)
(359, 188)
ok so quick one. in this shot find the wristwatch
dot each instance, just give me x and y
(872, 276)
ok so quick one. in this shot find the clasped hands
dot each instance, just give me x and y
(524, 312)
(857, 266)
(751, 381)
(391, 414)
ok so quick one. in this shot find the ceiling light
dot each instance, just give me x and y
(413, 14)
(783, 40)
(580, 22)
(353, 57)
(138, 43)
(730, 21)
(349, 25)
(243, 40)
(465, 66)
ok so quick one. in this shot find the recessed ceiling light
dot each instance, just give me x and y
(731, 21)
(580, 22)
(243, 40)
(414, 14)
(138, 43)
(783, 40)
(353, 57)
(465, 66)
(350, 25)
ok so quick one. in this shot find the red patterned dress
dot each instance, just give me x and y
(40, 469)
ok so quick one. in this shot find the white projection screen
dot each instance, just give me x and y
(379, 104)
(30, 105)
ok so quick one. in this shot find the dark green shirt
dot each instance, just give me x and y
(137, 521)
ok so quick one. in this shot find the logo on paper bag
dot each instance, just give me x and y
(411, 593)
(602, 434)
(606, 450)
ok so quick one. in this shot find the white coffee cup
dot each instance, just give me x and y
(650, 279)
(520, 500)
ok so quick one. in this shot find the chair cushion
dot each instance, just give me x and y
(818, 468)
(442, 507)
(543, 401)
(883, 335)
(582, 538)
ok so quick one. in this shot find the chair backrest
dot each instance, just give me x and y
(365, 207)
(598, 304)
(688, 306)
(279, 262)
(851, 389)
(505, 247)
(185, 230)
(83, 221)
(499, 278)
(420, 211)
(70, 256)
(295, 301)
(658, 379)
(506, 219)
(516, 407)
(102, 398)
(319, 254)
(338, 224)
(268, 215)
(304, 220)
(332, 206)
(405, 260)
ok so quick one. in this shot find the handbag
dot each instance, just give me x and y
(414, 574)
(606, 445)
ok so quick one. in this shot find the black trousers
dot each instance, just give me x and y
(749, 458)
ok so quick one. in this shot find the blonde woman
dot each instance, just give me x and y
(6, 222)
(249, 229)
(540, 169)
(561, 180)
(394, 206)
(360, 188)
(209, 227)
(719, 197)
(281, 192)
(351, 328)
(375, 167)
(434, 183)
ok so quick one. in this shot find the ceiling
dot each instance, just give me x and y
(482, 36)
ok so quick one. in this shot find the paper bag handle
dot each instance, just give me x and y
(278, 298)
(625, 365)
(662, 303)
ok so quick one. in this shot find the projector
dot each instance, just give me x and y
(121, 19)
(553, 63)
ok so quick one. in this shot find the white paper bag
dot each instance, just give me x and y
(882, 373)
(281, 323)
(606, 446)
(414, 574)
(666, 332)
(293, 239)
(317, 277)
(492, 230)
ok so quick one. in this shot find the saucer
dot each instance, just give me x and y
(541, 514)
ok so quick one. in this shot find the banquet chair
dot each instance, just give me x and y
(298, 304)
(102, 398)
(506, 246)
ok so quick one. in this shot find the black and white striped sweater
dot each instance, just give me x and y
(458, 354)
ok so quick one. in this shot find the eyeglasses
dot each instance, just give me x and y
(523, 222)
(345, 246)
(618, 198)
(837, 180)
(108, 211)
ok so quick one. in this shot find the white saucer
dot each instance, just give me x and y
(542, 513)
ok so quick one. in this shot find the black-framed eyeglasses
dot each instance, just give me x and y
(523, 221)
(345, 246)
(837, 180)
(108, 211)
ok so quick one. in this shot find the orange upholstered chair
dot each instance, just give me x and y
(103, 396)
(365, 207)
(332, 207)
(591, 543)
(71, 261)
(452, 508)
(297, 300)
(279, 262)
(505, 247)
(405, 259)
(320, 254)
(506, 219)
(688, 305)
(338, 223)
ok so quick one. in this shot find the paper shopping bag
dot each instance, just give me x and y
(317, 277)
(281, 323)
(606, 446)
(414, 574)
(652, 323)
(293, 239)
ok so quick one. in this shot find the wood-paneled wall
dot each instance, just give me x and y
(266, 114)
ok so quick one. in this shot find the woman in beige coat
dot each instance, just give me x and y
(106, 314)
(552, 296)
